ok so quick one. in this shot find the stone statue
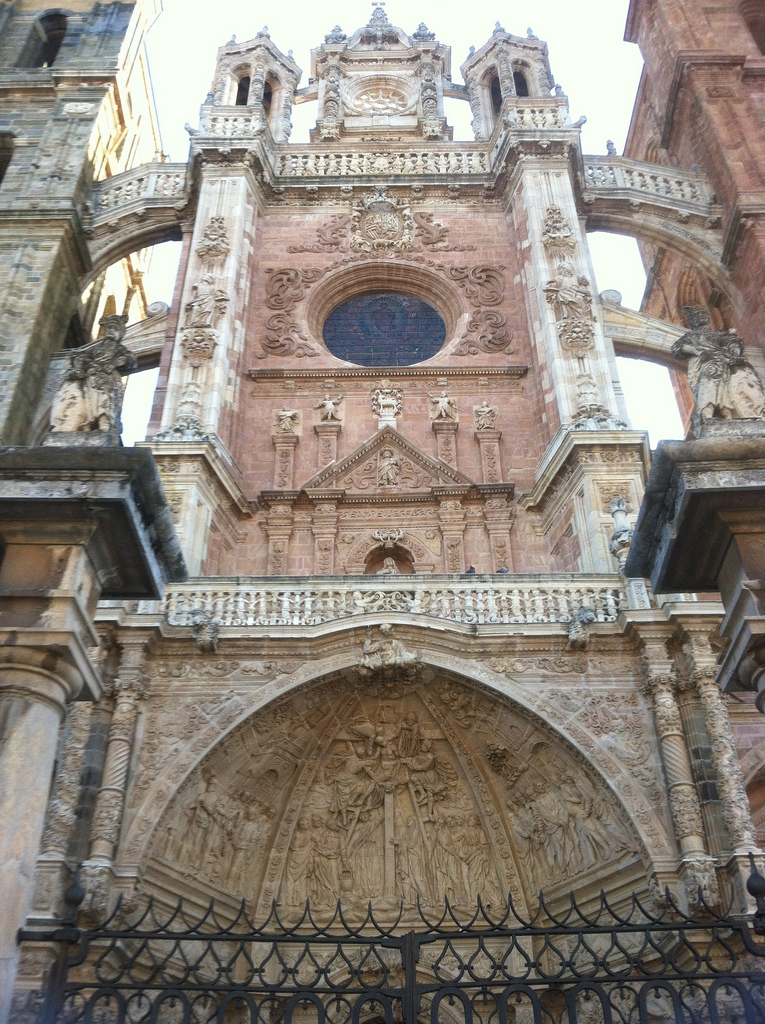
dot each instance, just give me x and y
(724, 383)
(287, 420)
(89, 396)
(329, 409)
(569, 293)
(578, 629)
(386, 653)
(444, 407)
(485, 416)
(388, 468)
(389, 567)
(207, 303)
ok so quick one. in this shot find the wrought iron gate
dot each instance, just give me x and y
(625, 965)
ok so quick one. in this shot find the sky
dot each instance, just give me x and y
(598, 71)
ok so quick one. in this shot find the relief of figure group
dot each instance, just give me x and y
(389, 819)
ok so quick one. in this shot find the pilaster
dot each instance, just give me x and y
(488, 445)
(446, 440)
(328, 434)
(452, 518)
(284, 460)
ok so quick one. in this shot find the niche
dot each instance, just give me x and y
(268, 99)
(495, 92)
(6, 152)
(521, 84)
(381, 558)
(44, 41)
(243, 91)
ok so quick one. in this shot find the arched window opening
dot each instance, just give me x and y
(243, 91)
(384, 329)
(44, 42)
(754, 16)
(268, 96)
(521, 85)
(495, 91)
(6, 152)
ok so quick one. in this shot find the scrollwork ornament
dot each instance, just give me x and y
(686, 814)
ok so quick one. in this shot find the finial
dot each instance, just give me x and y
(611, 148)
(559, 90)
(263, 32)
(232, 40)
(498, 27)
(289, 54)
(471, 51)
(335, 36)
(530, 33)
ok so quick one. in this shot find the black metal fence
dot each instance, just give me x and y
(604, 967)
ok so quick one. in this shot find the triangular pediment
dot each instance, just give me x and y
(389, 464)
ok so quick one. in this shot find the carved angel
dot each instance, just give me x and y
(444, 407)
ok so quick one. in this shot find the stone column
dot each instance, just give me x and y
(488, 445)
(446, 440)
(730, 781)
(452, 517)
(35, 686)
(325, 535)
(499, 516)
(327, 434)
(284, 460)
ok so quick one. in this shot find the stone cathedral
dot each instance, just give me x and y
(393, 606)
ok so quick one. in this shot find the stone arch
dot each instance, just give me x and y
(116, 239)
(700, 247)
(448, 700)
(421, 558)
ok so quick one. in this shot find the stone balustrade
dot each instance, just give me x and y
(147, 185)
(621, 175)
(480, 599)
(296, 162)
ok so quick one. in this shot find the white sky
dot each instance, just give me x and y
(598, 71)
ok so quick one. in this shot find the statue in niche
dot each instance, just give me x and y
(444, 407)
(388, 468)
(329, 409)
(389, 567)
(207, 304)
(724, 383)
(90, 394)
(569, 293)
(485, 416)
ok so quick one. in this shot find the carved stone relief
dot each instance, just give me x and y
(380, 223)
(570, 296)
(330, 237)
(487, 328)
(433, 234)
(557, 236)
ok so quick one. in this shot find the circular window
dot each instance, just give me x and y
(384, 329)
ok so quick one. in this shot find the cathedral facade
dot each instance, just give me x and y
(405, 663)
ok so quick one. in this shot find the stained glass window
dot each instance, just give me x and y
(384, 329)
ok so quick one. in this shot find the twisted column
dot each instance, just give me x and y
(107, 819)
(736, 812)
(683, 799)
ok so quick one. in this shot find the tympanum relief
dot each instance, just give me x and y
(370, 790)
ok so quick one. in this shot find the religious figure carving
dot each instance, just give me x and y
(621, 538)
(204, 629)
(578, 631)
(207, 304)
(89, 396)
(287, 421)
(569, 293)
(386, 403)
(444, 407)
(485, 416)
(389, 567)
(388, 468)
(386, 653)
(329, 409)
(724, 383)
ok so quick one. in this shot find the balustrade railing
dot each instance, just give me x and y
(614, 174)
(149, 184)
(480, 600)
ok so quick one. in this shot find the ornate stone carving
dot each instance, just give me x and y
(89, 396)
(557, 236)
(285, 338)
(207, 304)
(335, 36)
(204, 629)
(388, 538)
(487, 328)
(287, 421)
(621, 538)
(331, 236)
(381, 223)
(285, 288)
(700, 882)
(387, 654)
(329, 409)
(485, 416)
(443, 407)
(724, 383)
(214, 247)
(570, 296)
(387, 404)
(434, 234)
(578, 631)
